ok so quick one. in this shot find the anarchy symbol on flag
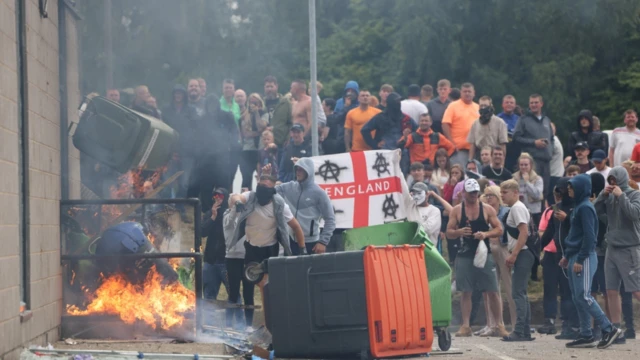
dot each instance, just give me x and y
(367, 186)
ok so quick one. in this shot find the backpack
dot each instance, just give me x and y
(533, 240)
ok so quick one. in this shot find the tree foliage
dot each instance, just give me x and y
(577, 54)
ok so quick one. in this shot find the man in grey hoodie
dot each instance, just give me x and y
(622, 259)
(309, 203)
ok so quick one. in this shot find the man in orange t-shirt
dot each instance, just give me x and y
(355, 120)
(457, 121)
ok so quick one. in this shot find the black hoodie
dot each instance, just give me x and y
(595, 139)
(558, 230)
(214, 251)
(179, 119)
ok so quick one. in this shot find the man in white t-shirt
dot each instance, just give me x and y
(412, 105)
(431, 216)
(521, 259)
(623, 139)
(259, 220)
(599, 159)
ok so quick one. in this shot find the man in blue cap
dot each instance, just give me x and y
(599, 159)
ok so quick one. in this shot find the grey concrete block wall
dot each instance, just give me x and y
(44, 173)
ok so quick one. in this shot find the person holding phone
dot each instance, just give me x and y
(214, 271)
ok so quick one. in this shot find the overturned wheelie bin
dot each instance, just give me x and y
(438, 270)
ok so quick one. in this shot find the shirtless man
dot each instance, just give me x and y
(474, 221)
(301, 109)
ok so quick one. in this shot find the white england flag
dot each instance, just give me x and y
(366, 188)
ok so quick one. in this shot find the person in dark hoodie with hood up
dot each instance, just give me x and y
(179, 114)
(214, 271)
(350, 94)
(390, 125)
(581, 262)
(214, 138)
(621, 203)
(309, 203)
(553, 238)
(585, 133)
(598, 286)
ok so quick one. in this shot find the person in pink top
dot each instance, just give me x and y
(554, 227)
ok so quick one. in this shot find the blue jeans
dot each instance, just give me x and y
(581, 290)
(213, 275)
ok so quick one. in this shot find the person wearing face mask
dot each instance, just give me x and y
(430, 216)
(488, 130)
(256, 222)
(389, 125)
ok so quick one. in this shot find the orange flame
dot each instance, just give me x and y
(152, 302)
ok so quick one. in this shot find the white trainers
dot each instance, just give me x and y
(483, 331)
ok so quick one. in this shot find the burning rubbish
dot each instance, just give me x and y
(120, 275)
(153, 302)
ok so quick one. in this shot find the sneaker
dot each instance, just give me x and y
(568, 335)
(464, 331)
(482, 331)
(249, 329)
(609, 337)
(514, 336)
(582, 342)
(620, 340)
(548, 328)
(630, 334)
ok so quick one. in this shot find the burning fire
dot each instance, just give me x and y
(152, 302)
(132, 184)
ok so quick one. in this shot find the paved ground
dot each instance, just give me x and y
(544, 347)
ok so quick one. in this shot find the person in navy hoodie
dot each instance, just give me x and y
(581, 262)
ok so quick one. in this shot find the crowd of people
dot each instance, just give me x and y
(498, 184)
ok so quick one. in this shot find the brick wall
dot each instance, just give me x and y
(44, 173)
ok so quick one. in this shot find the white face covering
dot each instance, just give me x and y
(419, 197)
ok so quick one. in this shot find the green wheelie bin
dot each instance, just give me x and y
(438, 270)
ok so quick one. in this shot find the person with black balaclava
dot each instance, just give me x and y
(553, 237)
(255, 226)
(214, 272)
(214, 139)
(390, 125)
(489, 130)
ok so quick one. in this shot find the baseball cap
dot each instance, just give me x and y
(471, 185)
(581, 145)
(420, 186)
(598, 155)
(297, 127)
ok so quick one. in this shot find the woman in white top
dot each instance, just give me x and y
(531, 187)
(441, 169)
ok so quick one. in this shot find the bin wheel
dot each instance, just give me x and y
(254, 272)
(444, 340)
(365, 354)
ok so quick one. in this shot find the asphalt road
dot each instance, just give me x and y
(544, 347)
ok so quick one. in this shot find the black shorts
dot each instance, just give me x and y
(598, 284)
(259, 254)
